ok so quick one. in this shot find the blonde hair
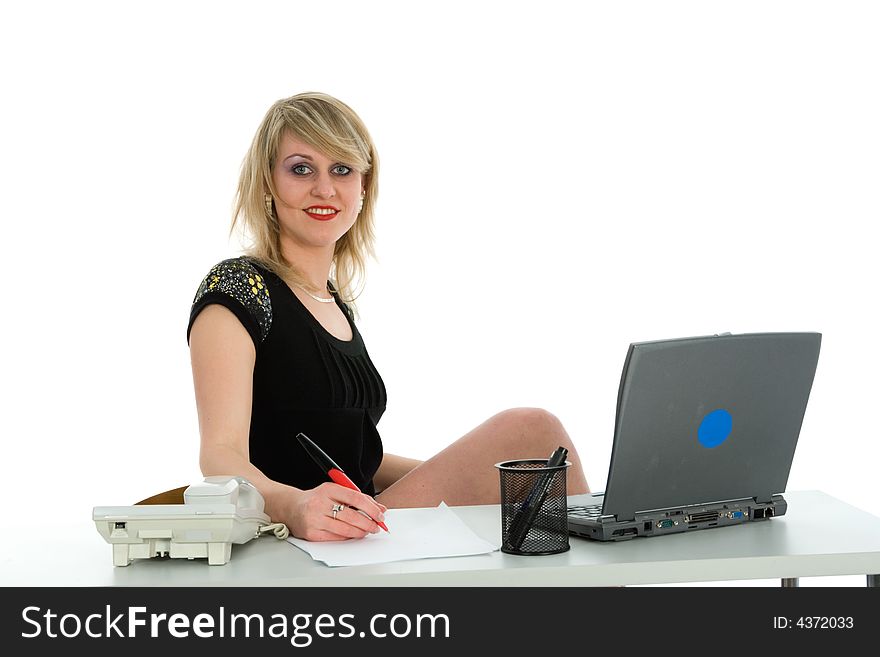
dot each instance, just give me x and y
(333, 128)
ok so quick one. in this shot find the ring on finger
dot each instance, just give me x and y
(336, 509)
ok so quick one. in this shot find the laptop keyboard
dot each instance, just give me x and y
(588, 511)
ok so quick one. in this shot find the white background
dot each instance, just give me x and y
(558, 179)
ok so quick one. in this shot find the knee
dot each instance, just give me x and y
(534, 421)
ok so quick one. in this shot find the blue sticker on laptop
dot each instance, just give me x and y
(715, 428)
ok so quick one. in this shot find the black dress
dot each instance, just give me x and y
(305, 379)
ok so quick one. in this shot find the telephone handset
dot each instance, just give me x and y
(217, 512)
(226, 490)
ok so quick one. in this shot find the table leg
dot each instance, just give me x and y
(790, 582)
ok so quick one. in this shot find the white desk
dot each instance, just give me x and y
(818, 536)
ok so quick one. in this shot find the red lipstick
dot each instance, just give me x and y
(321, 212)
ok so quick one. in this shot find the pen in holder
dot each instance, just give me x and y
(534, 509)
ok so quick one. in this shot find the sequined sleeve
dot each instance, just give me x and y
(237, 285)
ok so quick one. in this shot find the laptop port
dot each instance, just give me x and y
(665, 524)
(629, 531)
(734, 515)
(703, 517)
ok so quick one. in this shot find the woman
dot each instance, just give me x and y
(275, 350)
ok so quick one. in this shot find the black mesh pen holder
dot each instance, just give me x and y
(534, 509)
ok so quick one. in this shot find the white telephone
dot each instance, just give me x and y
(216, 513)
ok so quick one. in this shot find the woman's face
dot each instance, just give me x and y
(318, 198)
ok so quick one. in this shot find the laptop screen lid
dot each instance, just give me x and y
(708, 419)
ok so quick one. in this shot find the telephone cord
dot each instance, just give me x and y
(278, 528)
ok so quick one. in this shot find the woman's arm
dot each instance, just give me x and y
(393, 468)
(223, 356)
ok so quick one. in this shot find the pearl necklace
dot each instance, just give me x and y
(315, 297)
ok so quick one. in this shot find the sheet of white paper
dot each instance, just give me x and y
(414, 534)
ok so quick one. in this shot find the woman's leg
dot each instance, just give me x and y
(465, 473)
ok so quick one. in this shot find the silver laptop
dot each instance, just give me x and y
(705, 434)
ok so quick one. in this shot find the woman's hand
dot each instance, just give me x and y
(310, 514)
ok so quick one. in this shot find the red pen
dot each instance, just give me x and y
(329, 466)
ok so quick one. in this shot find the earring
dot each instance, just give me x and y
(268, 200)
(361, 204)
